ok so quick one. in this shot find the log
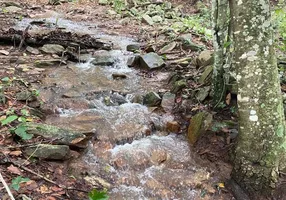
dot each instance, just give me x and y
(66, 39)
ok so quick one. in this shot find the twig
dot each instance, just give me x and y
(6, 187)
(46, 179)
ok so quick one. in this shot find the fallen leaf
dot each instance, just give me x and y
(15, 153)
(31, 185)
(77, 140)
(56, 189)
(50, 198)
(44, 189)
(14, 170)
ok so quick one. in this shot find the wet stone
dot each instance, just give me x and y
(49, 63)
(152, 99)
(118, 76)
(50, 152)
(205, 58)
(133, 47)
(151, 61)
(103, 58)
(59, 135)
(168, 101)
(159, 156)
(173, 126)
(133, 61)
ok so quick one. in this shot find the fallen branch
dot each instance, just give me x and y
(66, 39)
(6, 187)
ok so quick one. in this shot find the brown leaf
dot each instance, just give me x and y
(44, 189)
(14, 170)
(76, 140)
(50, 198)
(56, 189)
(15, 153)
(228, 99)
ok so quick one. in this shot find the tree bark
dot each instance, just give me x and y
(221, 42)
(261, 146)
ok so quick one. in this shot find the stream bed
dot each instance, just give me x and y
(130, 154)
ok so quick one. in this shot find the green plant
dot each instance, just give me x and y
(98, 195)
(20, 128)
(17, 181)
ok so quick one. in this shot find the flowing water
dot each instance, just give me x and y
(131, 154)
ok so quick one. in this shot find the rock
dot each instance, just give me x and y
(147, 19)
(49, 63)
(205, 58)
(103, 58)
(103, 2)
(185, 38)
(157, 19)
(50, 152)
(182, 61)
(206, 75)
(117, 99)
(59, 135)
(12, 9)
(25, 96)
(151, 61)
(32, 50)
(84, 57)
(137, 98)
(4, 52)
(133, 47)
(111, 12)
(203, 93)
(150, 48)
(152, 99)
(168, 101)
(198, 125)
(97, 181)
(118, 76)
(53, 49)
(178, 86)
(173, 127)
(72, 94)
(10, 3)
(133, 61)
(192, 46)
(168, 48)
(158, 156)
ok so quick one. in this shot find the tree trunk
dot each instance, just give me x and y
(221, 42)
(261, 145)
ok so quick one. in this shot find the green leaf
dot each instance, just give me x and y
(25, 112)
(16, 182)
(21, 131)
(9, 119)
(98, 195)
(5, 79)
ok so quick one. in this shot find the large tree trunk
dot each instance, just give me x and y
(261, 146)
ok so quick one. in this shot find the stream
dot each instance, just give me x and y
(131, 154)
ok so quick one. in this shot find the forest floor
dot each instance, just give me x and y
(57, 87)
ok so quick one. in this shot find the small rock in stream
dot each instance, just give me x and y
(119, 76)
(168, 101)
(173, 127)
(103, 58)
(32, 50)
(133, 61)
(50, 152)
(133, 47)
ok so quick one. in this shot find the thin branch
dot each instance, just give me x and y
(6, 187)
